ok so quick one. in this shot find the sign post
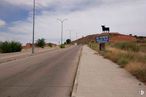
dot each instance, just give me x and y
(102, 40)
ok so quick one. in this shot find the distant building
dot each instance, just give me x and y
(27, 46)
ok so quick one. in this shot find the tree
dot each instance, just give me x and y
(41, 42)
(10, 46)
(68, 41)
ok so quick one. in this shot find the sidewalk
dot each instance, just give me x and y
(99, 77)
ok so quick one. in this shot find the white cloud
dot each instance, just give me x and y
(2, 23)
(29, 2)
(124, 17)
(65, 3)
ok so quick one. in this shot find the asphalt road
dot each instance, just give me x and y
(49, 74)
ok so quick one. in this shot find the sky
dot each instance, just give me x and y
(84, 17)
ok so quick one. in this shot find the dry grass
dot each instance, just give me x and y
(134, 66)
(127, 46)
(93, 45)
(134, 62)
(137, 69)
(131, 56)
(142, 47)
(111, 54)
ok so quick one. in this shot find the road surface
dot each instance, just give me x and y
(49, 74)
(5, 57)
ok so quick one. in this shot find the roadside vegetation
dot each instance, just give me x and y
(10, 46)
(93, 45)
(50, 45)
(67, 42)
(62, 46)
(41, 43)
(128, 55)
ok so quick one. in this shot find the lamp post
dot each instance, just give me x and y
(33, 46)
(62, 21)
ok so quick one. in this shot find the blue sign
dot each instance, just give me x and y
(102, 39)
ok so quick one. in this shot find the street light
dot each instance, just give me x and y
(62, 21)
(33, 27)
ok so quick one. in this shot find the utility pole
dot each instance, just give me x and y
(33, 45)
(62, 21)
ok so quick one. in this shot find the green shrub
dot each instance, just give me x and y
(62, 46)
(0, 46)
(41, 43)
(7, 47)
(129, 46)
(50, 45)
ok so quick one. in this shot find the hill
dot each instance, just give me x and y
(114, 37)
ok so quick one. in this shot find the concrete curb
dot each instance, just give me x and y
(75, 84)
